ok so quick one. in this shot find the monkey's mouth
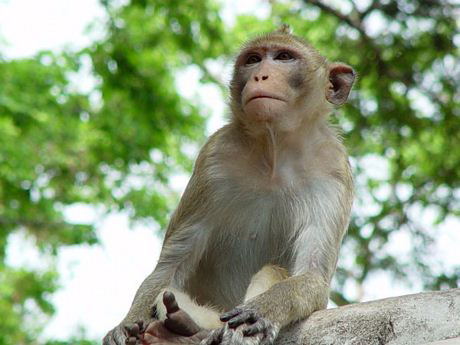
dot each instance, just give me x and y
(264, 95)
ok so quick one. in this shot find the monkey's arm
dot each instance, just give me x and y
(180, 254)
(167, 273)
(183, 246)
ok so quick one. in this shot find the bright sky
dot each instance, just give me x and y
(99, 282)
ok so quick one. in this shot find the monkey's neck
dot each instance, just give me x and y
(270, 144)
(264, 146)
(272, 152)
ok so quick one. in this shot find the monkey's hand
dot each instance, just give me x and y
(244, 325)
(124, 334)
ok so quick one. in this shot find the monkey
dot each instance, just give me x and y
(272, 188)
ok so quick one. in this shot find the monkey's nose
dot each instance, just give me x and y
(264, 77)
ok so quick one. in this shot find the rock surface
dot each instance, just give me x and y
(405, 320)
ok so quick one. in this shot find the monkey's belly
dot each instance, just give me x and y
(221, 289)
(247, 230)
(224, 273)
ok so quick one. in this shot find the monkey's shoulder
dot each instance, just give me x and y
(218, 143)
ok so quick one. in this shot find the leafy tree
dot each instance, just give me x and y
(118, 146)
(41, 134)
(143, 123)
(59, 146)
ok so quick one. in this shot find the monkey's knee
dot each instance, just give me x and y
(205, 316)
(264, 280)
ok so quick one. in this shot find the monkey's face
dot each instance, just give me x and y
(277, 82)
(283, 81)
(270, 82)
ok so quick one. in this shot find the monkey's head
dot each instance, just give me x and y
(282, 80)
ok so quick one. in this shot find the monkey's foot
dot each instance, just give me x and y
(177, 328)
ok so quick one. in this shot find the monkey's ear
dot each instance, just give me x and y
(341, 78)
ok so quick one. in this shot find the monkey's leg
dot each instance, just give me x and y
(177, 328)
(264, 280)
(177, 320)
(204, 316)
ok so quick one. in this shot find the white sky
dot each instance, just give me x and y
(99, 282)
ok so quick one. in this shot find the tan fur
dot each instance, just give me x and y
(273, 187)
(263, 280)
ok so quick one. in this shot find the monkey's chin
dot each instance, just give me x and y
(265, 109)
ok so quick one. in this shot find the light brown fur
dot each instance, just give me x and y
(273, 187)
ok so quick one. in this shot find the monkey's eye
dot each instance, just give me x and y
(284, 56)
(253, 58)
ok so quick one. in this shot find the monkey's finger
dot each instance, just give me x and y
(270, 336)
(215, 338)
(141, 326)
(169, 300)
(245, 316)
(270, 333)
(255, 328)
(230, 314)
(232, 337)
(133, 329)
(131, 341)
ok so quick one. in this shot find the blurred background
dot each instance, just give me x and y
(104, 105)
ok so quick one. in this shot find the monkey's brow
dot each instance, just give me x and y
(271, 46)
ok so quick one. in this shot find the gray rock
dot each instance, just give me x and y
(405, 320)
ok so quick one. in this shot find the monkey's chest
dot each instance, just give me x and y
(249, 229)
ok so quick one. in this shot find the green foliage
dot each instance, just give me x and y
(118, 146)
(142, 113)
(41, 141)
(21, 288)
(115, 147)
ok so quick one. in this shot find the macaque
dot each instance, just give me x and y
(254, 241)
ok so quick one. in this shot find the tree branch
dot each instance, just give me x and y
(352, 23)
(212, 77)
(404, 320)
(356, 24)
(374, 6)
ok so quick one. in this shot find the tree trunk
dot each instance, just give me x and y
(405, 320)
